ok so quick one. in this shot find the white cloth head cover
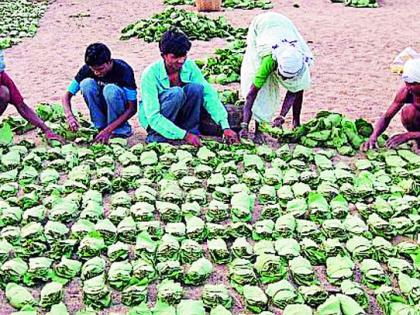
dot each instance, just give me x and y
(2, 64)
(411, 73)
(290, 60)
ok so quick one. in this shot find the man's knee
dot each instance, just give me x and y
(196, 89)
(88, 85)
(113, 93)
(410, 118)
(174, 98)
(177, 94)
(4, 95)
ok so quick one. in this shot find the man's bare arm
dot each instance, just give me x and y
(297, 108)
(386, 118)
(29, 114)
(26, 112)
(71, 120)
(290, 100)
(249, 103)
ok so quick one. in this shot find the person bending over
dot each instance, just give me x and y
(276, 56)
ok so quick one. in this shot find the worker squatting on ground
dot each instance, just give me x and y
(9, 94)
(408, 101)
(174, 92)
(276, 55)
(109, 90)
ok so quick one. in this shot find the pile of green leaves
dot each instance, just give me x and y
(195, 26)
(328, 130)
(232, 4)
(230, 97)
(19, 19)
(359, 3)
(53, 115)
(225, 66)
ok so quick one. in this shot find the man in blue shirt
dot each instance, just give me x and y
(174, 92)
(109, 90)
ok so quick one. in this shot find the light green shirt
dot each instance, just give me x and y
(155, 80)
(267, 67)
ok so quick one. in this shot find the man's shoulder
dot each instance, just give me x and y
(152, 69)
(84, 71)
(122, 65)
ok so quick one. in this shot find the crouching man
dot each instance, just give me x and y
(407, 100)
(174, 91)
(109, 90)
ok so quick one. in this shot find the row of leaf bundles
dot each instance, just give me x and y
(92, 238)
(56, 208)
(125, 276)
(283, 294)
(398, 215)
(185, 307)
(66, 158)
(21, 298)
(298, 267)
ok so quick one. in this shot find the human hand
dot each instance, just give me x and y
(243, 134)
(396, 140)
(278, 121)
(193, 139)
(73, 123)
(103, 137)
(370, 144)
(51, 136)
(230, 136)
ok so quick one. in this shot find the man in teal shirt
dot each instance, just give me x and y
(173, 93)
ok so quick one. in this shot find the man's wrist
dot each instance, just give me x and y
(244, 125)
(45, 129)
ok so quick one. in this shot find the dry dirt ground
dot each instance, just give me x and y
(353, 49)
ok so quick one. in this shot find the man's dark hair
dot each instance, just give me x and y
(97, 54)
(174, 42)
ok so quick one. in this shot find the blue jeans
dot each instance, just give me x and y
(105, 105)
(182, 106)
